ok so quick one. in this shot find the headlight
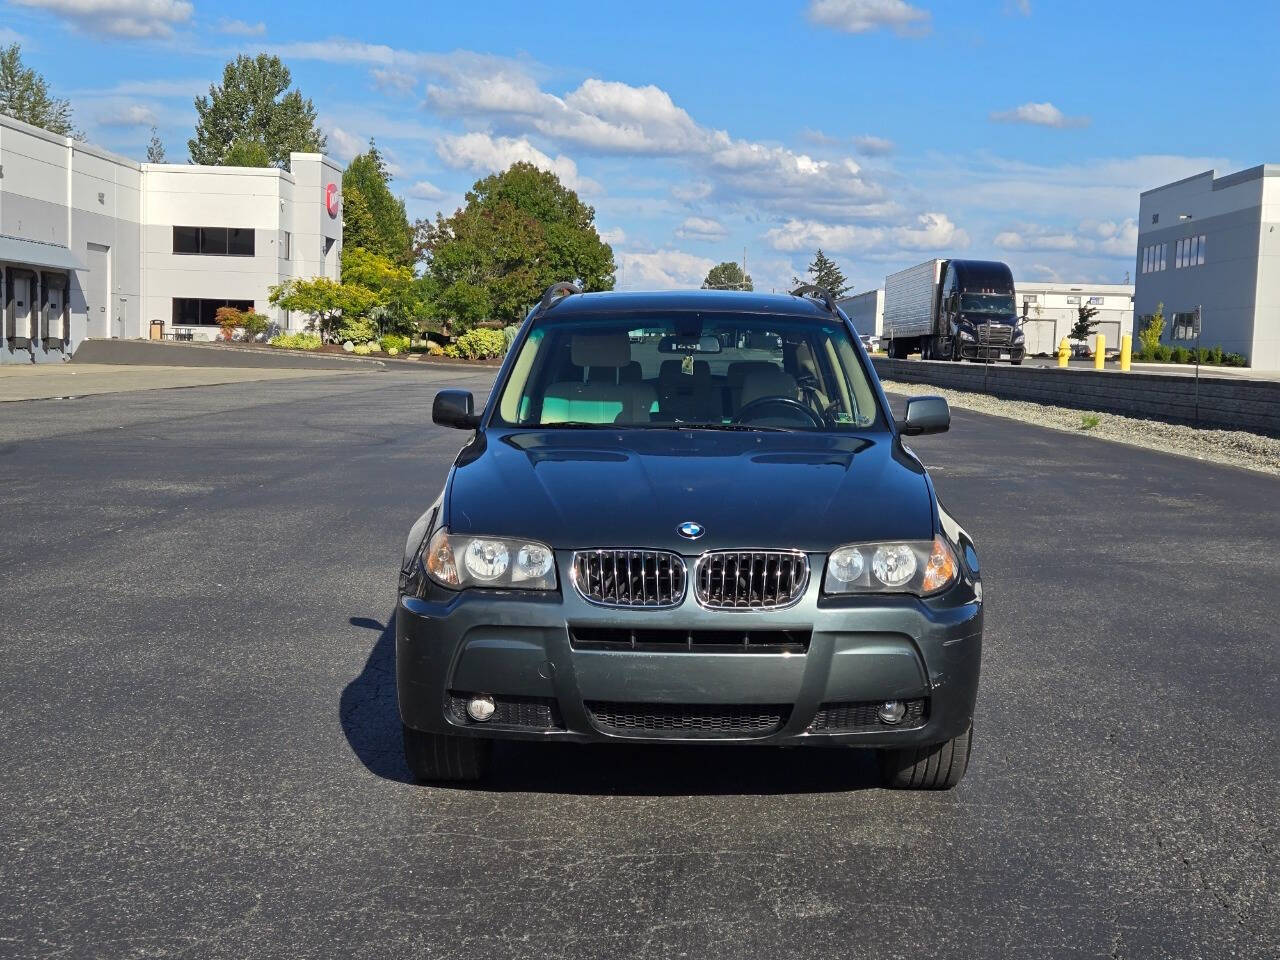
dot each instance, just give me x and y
(1019, 336)
(966, 335)
(919, 566)
(458, 561)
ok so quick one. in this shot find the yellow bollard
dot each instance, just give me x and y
(1126, 351)
(1064, 352)
(1100, 352)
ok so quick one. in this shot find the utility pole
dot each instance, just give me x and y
(744, 268)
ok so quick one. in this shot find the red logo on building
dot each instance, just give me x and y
(331, 199)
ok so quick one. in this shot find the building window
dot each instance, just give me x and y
(1071, 301)
(1153, 257)
(1190, 252)
(1095, 301)
(1155, 218)
(1031, 298)
(1200, 250)
(214, 241)
(285, 241)
(194, 312)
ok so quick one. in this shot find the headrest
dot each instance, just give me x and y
(773, 382)
(739, 370)
(600, 349)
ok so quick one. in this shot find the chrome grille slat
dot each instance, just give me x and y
(755, 580)
(652, 579)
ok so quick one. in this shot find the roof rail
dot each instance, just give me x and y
(549, 299)
(809, 289)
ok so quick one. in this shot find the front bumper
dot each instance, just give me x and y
(516, 646)
(970, 350)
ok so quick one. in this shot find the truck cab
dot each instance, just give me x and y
(977, 315)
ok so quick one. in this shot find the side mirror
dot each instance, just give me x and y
(455, 408)
(925, 415)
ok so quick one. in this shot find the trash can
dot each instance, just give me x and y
(157, 329)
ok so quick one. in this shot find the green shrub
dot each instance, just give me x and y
(434, 349)
(509, 335)
(451, 350)
(1088, 421)
(480, 344)
(1215, 355)
(355, 329)
(362, 349)
(1180, 355)
(1149, 335)
(394, 341)
(254, 324)
(296, 341)
(1160, 353)
(1234, 360)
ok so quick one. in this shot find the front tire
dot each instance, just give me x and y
(434, 757)
(939, 766)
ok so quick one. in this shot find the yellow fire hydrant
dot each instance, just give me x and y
(1100, 352)
(1064, 352)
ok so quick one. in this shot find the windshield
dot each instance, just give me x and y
(987, 303)
(689, 370)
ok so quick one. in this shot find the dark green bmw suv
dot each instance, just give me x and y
(689, 517)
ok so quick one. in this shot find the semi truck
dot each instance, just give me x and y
(953, 310)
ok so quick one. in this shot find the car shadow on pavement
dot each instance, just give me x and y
(371, 722)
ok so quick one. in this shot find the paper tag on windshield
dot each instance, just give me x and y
(686, 365)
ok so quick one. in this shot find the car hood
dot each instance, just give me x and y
(632, 488)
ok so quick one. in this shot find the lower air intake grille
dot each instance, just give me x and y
(750, 580)
(854, 717)
(534, 713)
(689, 720)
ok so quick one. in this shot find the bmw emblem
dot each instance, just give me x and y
(690, 530)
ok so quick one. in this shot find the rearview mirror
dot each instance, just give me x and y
(454, 408)
(706, 344)
(925, 415)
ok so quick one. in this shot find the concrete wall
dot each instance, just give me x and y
(1228, 403)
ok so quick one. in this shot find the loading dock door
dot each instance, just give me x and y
(1040, 336)
(1109, 329)
(19, 331)
(97, 291)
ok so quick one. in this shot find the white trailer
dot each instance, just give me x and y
(911, 301)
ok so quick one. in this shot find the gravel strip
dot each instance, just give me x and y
(1237, 448)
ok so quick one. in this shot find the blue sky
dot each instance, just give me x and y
(885, 131)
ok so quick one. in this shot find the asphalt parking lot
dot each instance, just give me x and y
(200, 753)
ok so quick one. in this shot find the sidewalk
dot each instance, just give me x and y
(50, 381)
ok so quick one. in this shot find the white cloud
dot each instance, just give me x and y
(425, 190)
(613, 236)
(929, 232)
(701, 228)
(863, 16)
(391, 80)
(1039, 115)
(121, 18)
(239, 28)
(134, 115)
(486, 154)
(8, 35)
(870, 146)
(1090, 237)
(662, 270)
(343, 145)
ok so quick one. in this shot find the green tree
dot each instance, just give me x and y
(372, 218)
(155, 148)
(329, 304)
(1084, 323)
(1149, 336)
(254, 103)
(520, 231)
(824, 272)
(24, 95)
(400, 297)
(727, 276)
(246, 153)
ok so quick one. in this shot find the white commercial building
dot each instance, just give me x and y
(865, 312)
(93, 244)
(1213, 243)
(1050, 310)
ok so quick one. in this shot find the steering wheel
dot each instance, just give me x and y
(791, 406)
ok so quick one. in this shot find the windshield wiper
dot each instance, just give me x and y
(721, 426)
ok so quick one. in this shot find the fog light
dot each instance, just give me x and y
(891, 711)
(480, 708)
